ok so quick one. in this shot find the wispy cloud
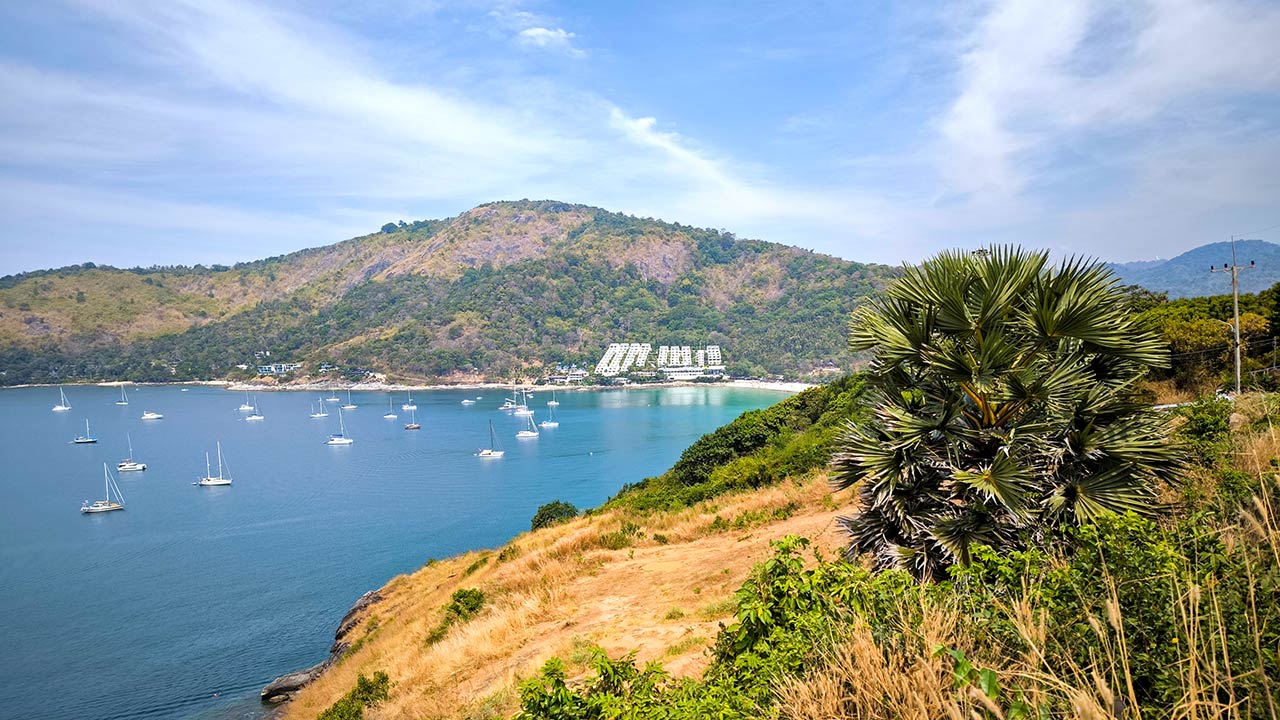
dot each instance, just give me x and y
(557, 39)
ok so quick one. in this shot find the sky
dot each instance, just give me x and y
(214, 131)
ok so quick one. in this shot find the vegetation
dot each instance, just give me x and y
(759, 448)
(503, 288)
(365, 694)
(1006, 404)
(556, 511)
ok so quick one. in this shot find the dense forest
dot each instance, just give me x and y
(479, 295)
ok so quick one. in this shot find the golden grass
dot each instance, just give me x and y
(563, 591)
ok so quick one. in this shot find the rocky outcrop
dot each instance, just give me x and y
(284, 687)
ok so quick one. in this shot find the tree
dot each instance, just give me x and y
(1005, 405)
(553, 513)
(389, 228)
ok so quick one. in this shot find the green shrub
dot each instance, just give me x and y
(553, 513)
(366, 694)
(465, 603)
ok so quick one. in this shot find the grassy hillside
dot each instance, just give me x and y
(490, 292)
(727, 602)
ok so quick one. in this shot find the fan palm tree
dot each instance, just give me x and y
(1006, 406)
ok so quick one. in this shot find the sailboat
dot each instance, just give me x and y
(245, 406)
(332, 398)
(523, 407)
(531, 431)
(124, 397)
(391, 414)
(318, 411)
(468, 401)
(551, 421)
(63, 405)
(86, 438)
(350, 405)
(151, 415)
(553, 402)
(105, 505)
(255, 415)
(209, 480)
(341, 437)
(409, 404)
(492, 451)
(509, 404)
(413, 421)
(129, 464)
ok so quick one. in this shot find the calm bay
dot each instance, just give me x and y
(186, 603)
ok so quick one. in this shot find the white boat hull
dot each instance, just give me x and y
(548, 424)
(212, 482)
(99, 507)
(130, 466)
(491, 453)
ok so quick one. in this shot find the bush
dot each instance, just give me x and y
(465, 603)
(553, 513)
(366, 694)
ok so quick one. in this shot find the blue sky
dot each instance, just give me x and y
(185, 131)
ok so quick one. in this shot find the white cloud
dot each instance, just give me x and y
(557, 39)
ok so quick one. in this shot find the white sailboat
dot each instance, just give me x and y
(245, 406)
(341, 437)
(523, 407)
(409, 404)
(85, 439)
(318, 411)
(391, 414)
(129, 464)
(124, 397)
(510, 404)
(468, 401)
(530, 431)
(413, 423)
(551, 421)
(151, 415)
(255, 416)
(493, 451)
(332, 398)
(105, 505)
(209, 480)
(553, 402)
(350, 405)
(63, 405)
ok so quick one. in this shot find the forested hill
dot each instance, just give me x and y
(1187, 275)
(491, 293)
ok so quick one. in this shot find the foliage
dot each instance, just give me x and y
(365, 694)
(464, 604)
(553, 513)
(1006, 405)
(775, 309)
(760, 447)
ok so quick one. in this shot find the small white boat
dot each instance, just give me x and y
(551, 421)
(209, 479)
(350, 405)
(245, 406)
(151, 415)
(332, 398)
(63, 405)
(409, 404)
(553, 402)
(493, 451)
(129, 464)
(318, 411)
(85, 439)
(468, 401)
(391, 414)
(106, 504)
(339, 438)
(531, 431)
(413, 423)
(124, 397)
(255, 416)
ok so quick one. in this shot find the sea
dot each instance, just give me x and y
(186, 603)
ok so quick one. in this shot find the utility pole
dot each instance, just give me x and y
(1235, 271)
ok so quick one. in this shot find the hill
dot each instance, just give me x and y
(1187, 275)
(487, 294)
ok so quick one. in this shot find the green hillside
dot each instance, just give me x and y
(495, 292)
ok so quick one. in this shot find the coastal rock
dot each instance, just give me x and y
(284, 687)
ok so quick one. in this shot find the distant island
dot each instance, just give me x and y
(1187, 275)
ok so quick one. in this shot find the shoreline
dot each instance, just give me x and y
(377, 386)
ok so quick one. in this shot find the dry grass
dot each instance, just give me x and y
(564, 590)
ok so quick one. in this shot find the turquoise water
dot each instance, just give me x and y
(189, 601)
